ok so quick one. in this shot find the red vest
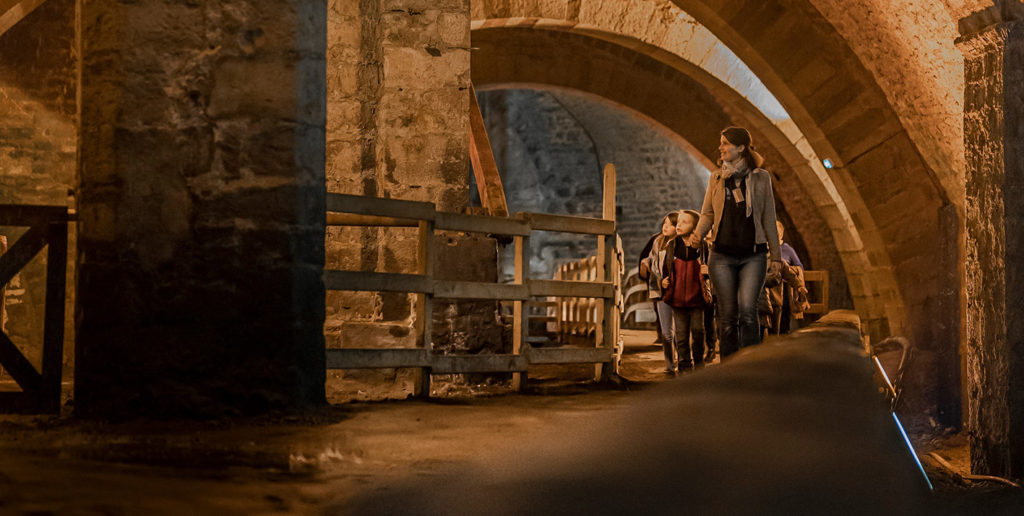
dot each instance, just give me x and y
(684, 285)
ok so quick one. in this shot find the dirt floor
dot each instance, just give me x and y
(317, 464)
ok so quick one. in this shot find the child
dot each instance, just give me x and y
(682, 302)
(651, 260)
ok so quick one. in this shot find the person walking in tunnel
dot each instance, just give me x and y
(652, 258)
(710, 320)
(682, 298)
(739, 213)
(789, 295)
(668, 230)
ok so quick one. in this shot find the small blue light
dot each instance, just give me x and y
(827, 162)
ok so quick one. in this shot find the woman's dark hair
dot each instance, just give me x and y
(740, 136)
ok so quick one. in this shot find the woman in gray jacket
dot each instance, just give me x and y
(739, 212)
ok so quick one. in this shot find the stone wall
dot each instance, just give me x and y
(398, 119)
(994, 132)
(37, 152)
(201, 207)
(551, 148)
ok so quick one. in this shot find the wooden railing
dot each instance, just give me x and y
(576, 319)
(366, 211)
(817, 284)
(47, 227)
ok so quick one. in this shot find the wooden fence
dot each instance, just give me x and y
(575, 319)
(351, 210)
(47, 227)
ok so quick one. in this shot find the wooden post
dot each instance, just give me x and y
(3, 293)
(520, 320)
(424, 306)
(485, 169)
(607, 269)
(53, 325)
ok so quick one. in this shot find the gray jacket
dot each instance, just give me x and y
(759, 193)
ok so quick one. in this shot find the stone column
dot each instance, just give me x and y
(993, 45)
(201, 202)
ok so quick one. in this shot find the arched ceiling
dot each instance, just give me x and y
(894, 185)
(519, 56)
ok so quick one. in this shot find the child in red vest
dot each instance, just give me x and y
(682, 303)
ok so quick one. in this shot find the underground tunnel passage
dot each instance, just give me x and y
(238, 234)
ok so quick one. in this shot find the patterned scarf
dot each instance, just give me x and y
(737, 170)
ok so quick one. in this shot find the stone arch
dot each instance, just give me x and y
(907, 211)
(711, 106)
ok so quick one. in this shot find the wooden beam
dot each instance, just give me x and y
(570, 355)
(482, 224)
(485, 169)
(376, 358)
(349, 219)
(520, 322)
(380, 207)
(606, 313)
(452, 364)
(571, 289)
(478, 290)
(18, 366)
(569, 224)
(53, 325)
(424, 306)
(10, 15)
(30, 215)
(22, 252)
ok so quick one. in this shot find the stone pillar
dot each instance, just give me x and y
(993, 45)
(201, 204)
(398, 127)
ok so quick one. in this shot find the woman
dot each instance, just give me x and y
(739, 213)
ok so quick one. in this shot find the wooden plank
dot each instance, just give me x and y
(485, 168)
(452, 364)
(12, 14)
(31, 215)
(606, 314)
(569, 355)
(376, 358)
(481, 224)
(397, 208)
(424, 306)
(820, 277)
(3, 293)
(53, 320)
(542, 288)
(477, 290)
(568, 224)
(350, 219)
(377, 282)
(521, 323)
(18, 366)
(22, 252)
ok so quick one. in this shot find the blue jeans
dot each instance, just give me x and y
(737, 281)
(677, 324)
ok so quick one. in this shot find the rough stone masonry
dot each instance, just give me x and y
(201, 204)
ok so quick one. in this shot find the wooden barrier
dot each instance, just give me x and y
(47, 227)
(817, 282)
(599, 287)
